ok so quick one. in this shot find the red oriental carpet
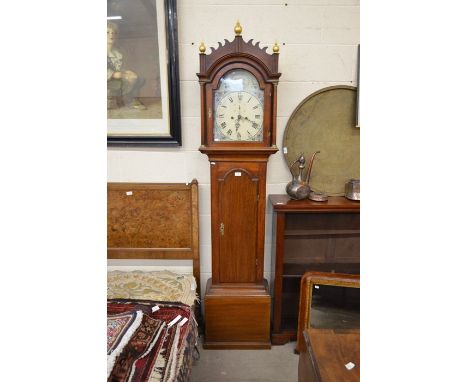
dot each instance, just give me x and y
(154, 351)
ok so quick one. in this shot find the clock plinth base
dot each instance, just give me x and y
(237, 316)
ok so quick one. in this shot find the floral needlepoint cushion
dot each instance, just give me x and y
(155, 285)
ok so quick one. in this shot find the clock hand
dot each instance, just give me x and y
(237, 124)
(252, 122)
(239, 117)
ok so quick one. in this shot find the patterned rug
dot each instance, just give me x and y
(156, 352)
(140, 344)
(120, 329)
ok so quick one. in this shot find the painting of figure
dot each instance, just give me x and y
(133, 62)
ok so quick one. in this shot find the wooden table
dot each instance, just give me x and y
(327, 353)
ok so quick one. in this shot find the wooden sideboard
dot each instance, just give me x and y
(326, 353)
(308, 236)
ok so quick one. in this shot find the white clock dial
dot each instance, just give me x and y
(238, 108)
(239, 117)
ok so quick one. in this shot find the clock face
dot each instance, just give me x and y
(238, 108)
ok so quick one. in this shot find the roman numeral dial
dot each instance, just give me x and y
(239, 117)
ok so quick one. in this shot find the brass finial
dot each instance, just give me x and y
(276, 47)
(202, 48)
(238, 29)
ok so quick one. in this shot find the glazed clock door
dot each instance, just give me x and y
(238, 105)
(238, 209)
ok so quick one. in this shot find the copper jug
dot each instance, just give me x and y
(299, 187)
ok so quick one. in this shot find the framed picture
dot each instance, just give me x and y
(143, 97)
(357, 86)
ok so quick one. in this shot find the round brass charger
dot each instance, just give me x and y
(326, 121)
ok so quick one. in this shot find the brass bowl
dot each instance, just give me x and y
(318, 197)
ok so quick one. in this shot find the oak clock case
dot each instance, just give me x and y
(238, 83)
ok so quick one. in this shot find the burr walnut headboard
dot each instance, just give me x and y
(153, 221)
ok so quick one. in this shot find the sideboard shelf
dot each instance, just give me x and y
(309, 236)
(307, 232)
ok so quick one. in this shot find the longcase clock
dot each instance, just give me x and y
(238, 86)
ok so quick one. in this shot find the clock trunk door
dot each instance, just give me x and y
(238, 206)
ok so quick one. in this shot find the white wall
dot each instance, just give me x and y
(320, 40)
